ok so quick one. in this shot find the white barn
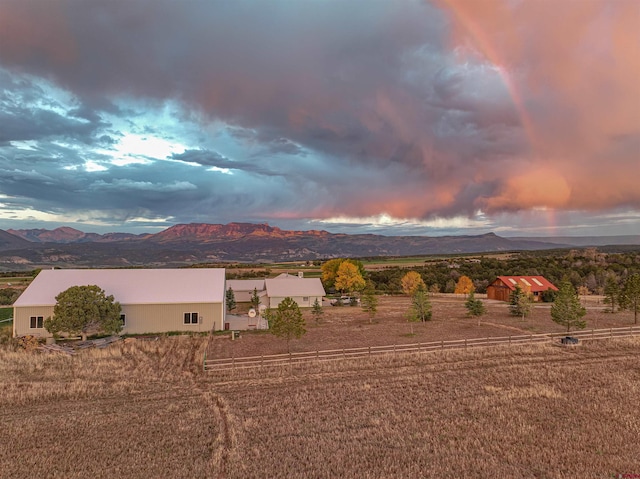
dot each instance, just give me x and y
(152, 300)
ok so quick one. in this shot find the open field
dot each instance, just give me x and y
(145, 409)
(346, 326)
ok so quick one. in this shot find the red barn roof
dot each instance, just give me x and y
(530, 283)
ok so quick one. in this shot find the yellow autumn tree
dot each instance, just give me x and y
(348, 278)
(330, 271)
(412, 282)
(464, 285)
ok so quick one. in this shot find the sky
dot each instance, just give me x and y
(395, 117)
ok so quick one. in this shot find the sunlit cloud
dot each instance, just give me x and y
(438, 117)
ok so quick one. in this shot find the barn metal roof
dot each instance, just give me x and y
(294, 286)
(530, 283)
(245, 284)
(131, 286)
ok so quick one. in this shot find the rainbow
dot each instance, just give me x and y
(486, 48)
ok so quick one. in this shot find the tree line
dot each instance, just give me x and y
(587, 270)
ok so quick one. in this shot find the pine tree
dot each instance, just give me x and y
(230, 299)
(566, 309)
(286, 321)
(316, 310)
(370, 301)
(255, 299)
(520, 303)
(611, 292)
(475, 307)
(630, 295)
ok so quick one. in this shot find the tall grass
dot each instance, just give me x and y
(145, 409)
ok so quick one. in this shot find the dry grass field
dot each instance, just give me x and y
(143, 409)
(346, 326)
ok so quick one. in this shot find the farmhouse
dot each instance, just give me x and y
(152, 300)
(303, 291)
(502, 286)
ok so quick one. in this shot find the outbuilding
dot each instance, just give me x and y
(152, 300)
(304, 291)
(502, 287)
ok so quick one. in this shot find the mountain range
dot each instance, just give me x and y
(185, 244)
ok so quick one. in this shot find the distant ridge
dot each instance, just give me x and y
(185, 244)
(584, 240)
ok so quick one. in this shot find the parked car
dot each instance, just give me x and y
(344, 300)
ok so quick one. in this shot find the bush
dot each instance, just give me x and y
(548, 296)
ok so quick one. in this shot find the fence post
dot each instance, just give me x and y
(509, 340)
(204, 361)
(261, 360)
(465, 343)
(343, 355)
(369, 351)
(611, 332)
(317, 354)
(394, 349)
(441, 344)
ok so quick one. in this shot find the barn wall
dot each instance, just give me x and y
(162, 318)
(139, 318)
(22, 320)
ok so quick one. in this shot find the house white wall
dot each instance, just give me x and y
(303, 301)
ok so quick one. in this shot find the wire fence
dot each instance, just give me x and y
(245, 362)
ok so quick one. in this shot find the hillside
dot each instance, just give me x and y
(186, 244)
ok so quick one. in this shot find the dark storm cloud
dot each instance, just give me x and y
(415, 109)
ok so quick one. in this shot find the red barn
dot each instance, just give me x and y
(502, 287)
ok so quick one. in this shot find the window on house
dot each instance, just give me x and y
(123, 319)
(305, 298)
(190, 318)
(37, 322)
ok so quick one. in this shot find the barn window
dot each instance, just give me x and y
(123, 319)
(305, 298)
(37, 322)
(190, 318)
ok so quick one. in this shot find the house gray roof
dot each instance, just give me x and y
(293, 286)
(131, 286)
(245, 284)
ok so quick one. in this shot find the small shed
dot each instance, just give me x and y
(502, 287)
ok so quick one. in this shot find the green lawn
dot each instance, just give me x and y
(6, 313)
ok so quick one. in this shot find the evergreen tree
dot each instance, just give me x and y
(611, 292)
(317, 310)
(255, 299)
(630, 295)
(230, 299)
(520, 303)
(566, 309)
(475, 307)
(286, 321)
(80, 309)
(370, 301)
